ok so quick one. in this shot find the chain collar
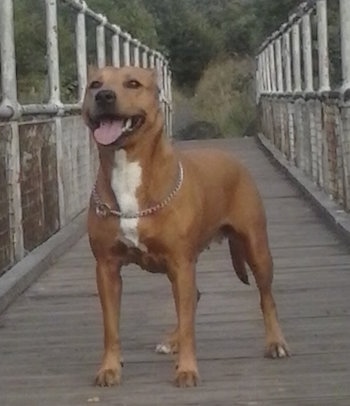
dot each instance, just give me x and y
(104, 210)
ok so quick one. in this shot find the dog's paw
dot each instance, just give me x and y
(108, 377)
(170, 347)
(277, 350)
(186, 379)
(163, 348)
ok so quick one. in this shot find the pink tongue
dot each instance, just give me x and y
(108, 132)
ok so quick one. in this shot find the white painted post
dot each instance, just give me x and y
(322, 37)
(136, 52)
(145, 57)
(80, 32)
(262, 70)
(280, 88)
(9, 104)
(126, 48)
(54, 86)
(272, 67)
(152, 60)
(52, 51)
(267, 70)
(278, 51)
(116, 46)
(345, 42)
(307, 53)
(261, 82)
(14, 188)
(296, 56)
(9, 108)
(101, 42)
(287, 61)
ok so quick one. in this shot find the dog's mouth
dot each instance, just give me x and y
(109, 129)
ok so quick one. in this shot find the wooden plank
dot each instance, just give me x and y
(51, 338)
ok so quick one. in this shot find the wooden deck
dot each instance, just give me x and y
(51, 337)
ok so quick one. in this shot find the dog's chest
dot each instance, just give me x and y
(126, 177)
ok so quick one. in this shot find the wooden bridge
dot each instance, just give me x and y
(51, 337)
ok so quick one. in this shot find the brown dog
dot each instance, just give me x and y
(159, 208)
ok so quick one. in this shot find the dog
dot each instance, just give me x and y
(159, 207)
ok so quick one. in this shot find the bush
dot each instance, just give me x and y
(225, 96)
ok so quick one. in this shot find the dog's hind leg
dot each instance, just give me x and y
(260, 261)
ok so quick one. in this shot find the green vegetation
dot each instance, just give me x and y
(210, 44)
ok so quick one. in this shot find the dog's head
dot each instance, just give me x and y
(120, 103)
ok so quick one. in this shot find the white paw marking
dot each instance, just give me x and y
(281, 352)
(126, 178)
(163, 349)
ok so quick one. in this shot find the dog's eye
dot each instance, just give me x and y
(96, 84)
(132, 84)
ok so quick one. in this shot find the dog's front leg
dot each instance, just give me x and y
(109, 284)
(184, 290)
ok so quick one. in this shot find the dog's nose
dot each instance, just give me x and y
(105, 97)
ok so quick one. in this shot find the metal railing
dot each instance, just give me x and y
(47, 161)
(143, 56)
(304, 114)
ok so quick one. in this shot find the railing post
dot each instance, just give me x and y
(272, 66)
(264, 71)
(137, 53)
(287, 64)
(101, 42)
(54, 86)
(9, 108)
(152, 60)
(9, 105)
(278, 50)
(126, 48)
(322, 36)
(145, 57)
(52, 51)
(345, 42)
(267, 70)
(287, 61)
(307, 53)
(116, 46)
(296, 56)
(80, 32)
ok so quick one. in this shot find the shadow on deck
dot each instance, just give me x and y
(51, 337)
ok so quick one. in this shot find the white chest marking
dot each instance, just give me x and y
(125, 179)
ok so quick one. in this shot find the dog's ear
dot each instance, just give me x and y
(156, 80)
(154, 75)
(91, 70)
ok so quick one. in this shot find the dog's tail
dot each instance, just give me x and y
(238, 258)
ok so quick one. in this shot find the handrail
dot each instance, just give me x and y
(11, 109)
